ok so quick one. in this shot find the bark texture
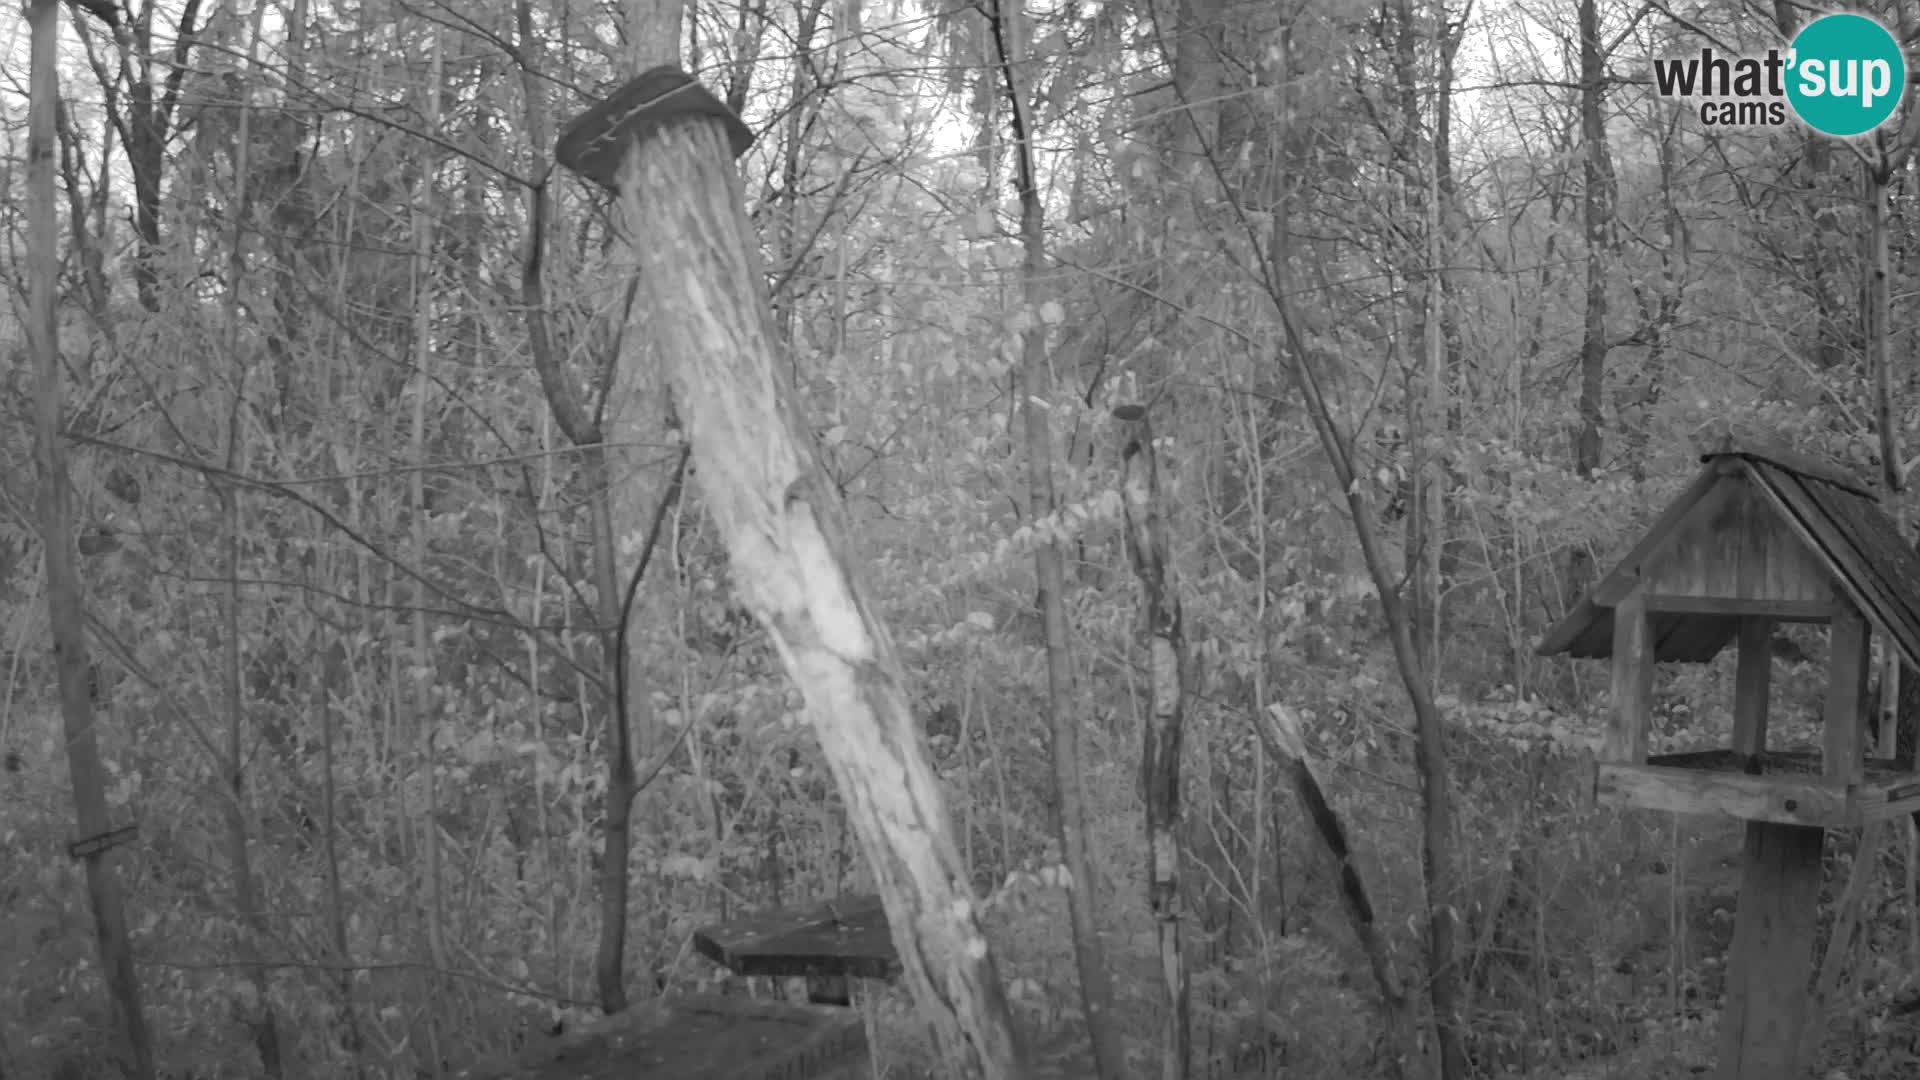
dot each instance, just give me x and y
(754, 464)
(1146, 522)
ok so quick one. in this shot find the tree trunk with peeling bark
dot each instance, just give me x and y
(705, 303)
(1146, 526)
(1879, 326)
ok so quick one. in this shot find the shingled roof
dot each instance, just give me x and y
(1836, 515)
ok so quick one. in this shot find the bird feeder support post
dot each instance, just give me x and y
(1773, 937)
(1772, 952)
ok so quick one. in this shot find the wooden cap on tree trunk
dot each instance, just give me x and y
(595, 143)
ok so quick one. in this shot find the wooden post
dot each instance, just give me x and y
(665, 145)
(1771, 958)
(1842, 723)
(1633, 654)
(1752, 686)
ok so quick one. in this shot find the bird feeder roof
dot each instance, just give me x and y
(1831, 519)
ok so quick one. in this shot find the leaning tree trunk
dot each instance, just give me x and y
(1279, 730)
(663, 143)
(56, 541)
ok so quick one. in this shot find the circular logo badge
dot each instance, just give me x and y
(1847, 75)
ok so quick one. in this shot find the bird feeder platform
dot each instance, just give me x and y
(1783, 786)
(827, 943)
(701, 1038)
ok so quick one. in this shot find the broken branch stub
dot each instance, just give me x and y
(666, 147)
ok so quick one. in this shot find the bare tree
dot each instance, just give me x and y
(1036, 390)
(142, 96)
(238, 801)
(623, 494)
(64, 603)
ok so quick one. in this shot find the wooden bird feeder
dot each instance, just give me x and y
(1762, 536)
(701, 1038)
(826, 943)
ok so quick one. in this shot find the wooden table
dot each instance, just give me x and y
(828, 943)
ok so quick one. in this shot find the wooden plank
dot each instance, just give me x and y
(1811, 611)
(1607, 592)
(1774, 561)
(1736, 545)
(1842, 722)
(1783, 799)
(848, 935)
(1898, 802)
(1772, 953)
(1752, 683)
(1627, 573)
(1667, 565)
(1632, 680)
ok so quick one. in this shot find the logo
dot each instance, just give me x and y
(1842, 75)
